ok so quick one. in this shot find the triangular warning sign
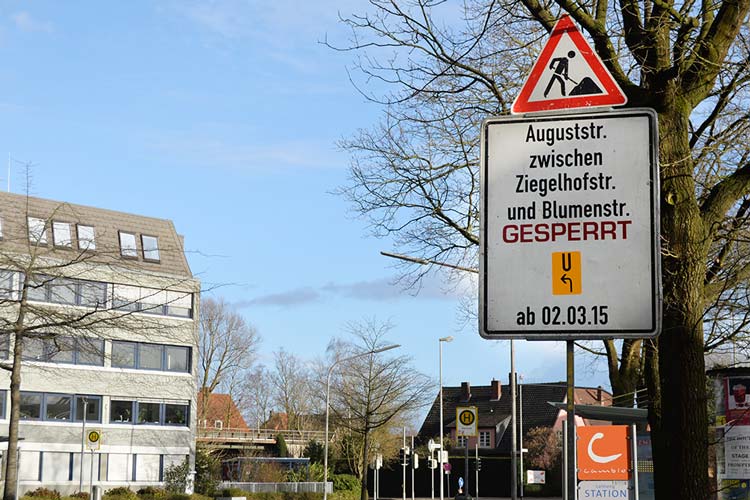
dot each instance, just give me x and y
(568, 74)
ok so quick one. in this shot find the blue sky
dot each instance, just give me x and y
(223, 116)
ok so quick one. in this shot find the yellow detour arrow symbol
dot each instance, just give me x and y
(566, 273)
(466, 417)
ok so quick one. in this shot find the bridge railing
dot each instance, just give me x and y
(258, 435)
(278, 487)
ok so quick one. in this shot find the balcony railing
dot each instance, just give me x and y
(265, 436)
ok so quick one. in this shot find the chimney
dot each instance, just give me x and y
(495, 390)
(599, 396)
(465, 391)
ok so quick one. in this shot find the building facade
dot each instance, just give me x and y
(108, 343)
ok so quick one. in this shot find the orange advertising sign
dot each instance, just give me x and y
(603, 452)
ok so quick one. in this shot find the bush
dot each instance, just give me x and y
(178, 496)
(344, 495)
(176, 478)
(207, 472)
(44, 493)
(345, 482)
(120, 491)
(281, 448)
(152, 491)
(79, 494)
(234, 492)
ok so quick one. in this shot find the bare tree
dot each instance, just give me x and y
(371, 393)
(257, 396)
(290, 382)
(414, 176)
(227, 348)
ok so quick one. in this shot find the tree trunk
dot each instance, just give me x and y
(678, 416)
(365, 452)
(11, 462)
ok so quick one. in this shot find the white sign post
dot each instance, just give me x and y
(569, 240)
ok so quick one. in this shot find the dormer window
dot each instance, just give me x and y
(37, 231)
(86, 239)
(61, 234)
(150, 245)
(127, 245)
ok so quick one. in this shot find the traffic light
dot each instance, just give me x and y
(479, 463)
(402, 456)
(414, 459)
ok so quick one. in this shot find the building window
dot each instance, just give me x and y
(218, 424)
(4, 346)
(177, 358)
(175, 414)
(37, 231)
(485, 439)
(179, 304)
(61, 234)
(93, 408)
(123, 354)
(33, 349)
(121, 412)
(462, 441)
(57, 407)
(7, 288)
(62, 290)
(60, 349)
(92, 294)
(127, 245)
(3, 402)
(150, 356)
(86, 238)
(31, 405)
(42, 288)
(149, 413)
(150, 245)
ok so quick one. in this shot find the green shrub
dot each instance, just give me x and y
(152, 491)
(207, 472)
(120, 491)
(281, 448)
(345, 482)
(44, 493)
(176, 477)
(178, 496)
(79, 494)
(344, 495)
(234, 492)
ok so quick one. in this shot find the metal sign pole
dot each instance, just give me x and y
(476, 470)
(565, 460)
(634, 453)
(91, 475)
(412, 468)
(403, 466)
(571, 482)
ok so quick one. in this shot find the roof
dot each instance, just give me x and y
(535, 411)
(221, 407)
(15, 209)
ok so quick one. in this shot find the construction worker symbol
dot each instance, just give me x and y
(566, 85)
(466, 417)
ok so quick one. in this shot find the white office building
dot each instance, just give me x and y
(109, 344)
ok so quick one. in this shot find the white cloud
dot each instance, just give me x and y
(26, 22)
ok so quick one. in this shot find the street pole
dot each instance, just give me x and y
(91, 476)
(403, 468)
(571, 430)
(412, 468)
(83, 441)
(432, 474)
(442, 445)
(520, 431)
(476, 471)
(328, 398)
(466, 465)
(513, 443)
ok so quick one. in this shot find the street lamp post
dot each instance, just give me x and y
(328, 395)
(442, 447)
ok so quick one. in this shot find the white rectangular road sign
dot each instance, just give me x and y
(603, 489)
(569, 232)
